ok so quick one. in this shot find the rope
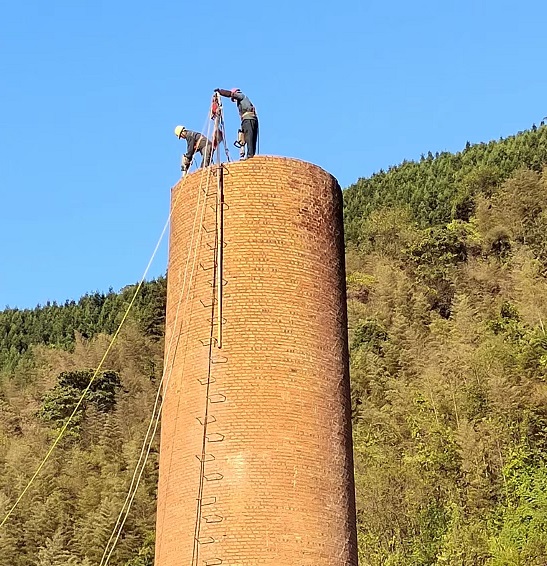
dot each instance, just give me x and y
(197, 526)
(155, 418)
(156, 412)
(222, 128)
(178, 403)
(93, 377)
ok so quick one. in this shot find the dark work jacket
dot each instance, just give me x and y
(196, 142)
(245, 106)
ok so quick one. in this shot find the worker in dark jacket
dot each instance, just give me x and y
(195, 142)
(247, 113)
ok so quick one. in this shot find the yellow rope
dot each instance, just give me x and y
(155, 417)
(93, 377)
(154, 421)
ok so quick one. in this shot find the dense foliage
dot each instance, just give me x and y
(447, 301)
(56, 325)
(444, 186)
(449, 362)
(46, 356)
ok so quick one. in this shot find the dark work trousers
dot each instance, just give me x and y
(250, 131)
(206, 154)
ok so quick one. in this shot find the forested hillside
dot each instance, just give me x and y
(447, 300)
(448, 303)
(444, 186)
(47, 357)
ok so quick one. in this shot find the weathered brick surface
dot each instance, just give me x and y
(278, 487)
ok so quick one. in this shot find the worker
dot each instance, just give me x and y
(195, 142)
(249, 119)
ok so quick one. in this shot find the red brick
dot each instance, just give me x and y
(281, 478)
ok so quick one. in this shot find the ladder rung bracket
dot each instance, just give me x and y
(212, 282)
(219, 360)
(217, 398)
(209, 305)
(215, 319)
(209, 341)
(207, 268)
(209, 500)
(207, 230)
(213, 562)
(215, 437)
(214, 247)
(206, 420)
(213, 518)
(215, 476)
(207, 380)
(205, 457)
(206, 540)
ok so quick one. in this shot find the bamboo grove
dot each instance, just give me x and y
(447, 301)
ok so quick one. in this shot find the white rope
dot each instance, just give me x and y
(156, 412)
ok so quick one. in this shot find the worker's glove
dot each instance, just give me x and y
(186, 164)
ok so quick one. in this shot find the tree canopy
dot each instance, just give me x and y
(447, 302)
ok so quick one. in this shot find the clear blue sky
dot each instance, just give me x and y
(90, 93)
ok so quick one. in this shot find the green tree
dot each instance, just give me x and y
(59, 403)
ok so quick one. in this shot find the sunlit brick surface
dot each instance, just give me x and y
(277, 482)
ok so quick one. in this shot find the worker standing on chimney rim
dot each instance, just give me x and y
(247, 113)
(195, 142)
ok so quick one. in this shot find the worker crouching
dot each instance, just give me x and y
(194, 142)
(249, 118)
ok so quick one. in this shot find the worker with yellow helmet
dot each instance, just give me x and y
(195, 142)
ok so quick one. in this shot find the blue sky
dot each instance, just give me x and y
(90, 93)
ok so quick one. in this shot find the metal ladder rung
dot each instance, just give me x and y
(213, 562)
(213, 518)
(217, 398)
(208, 341)
(206, 420)
(215, 437)
(210, 500)
(205, 540)
(215, 476)
(205, 457)
(219, 360)
(214, 246)
(207, 380)
(207, 268)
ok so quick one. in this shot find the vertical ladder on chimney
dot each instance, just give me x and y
(207, 513)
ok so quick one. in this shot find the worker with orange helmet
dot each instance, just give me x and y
(247, 113)
(194, 142)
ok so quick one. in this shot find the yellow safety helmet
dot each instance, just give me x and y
(179, 130)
